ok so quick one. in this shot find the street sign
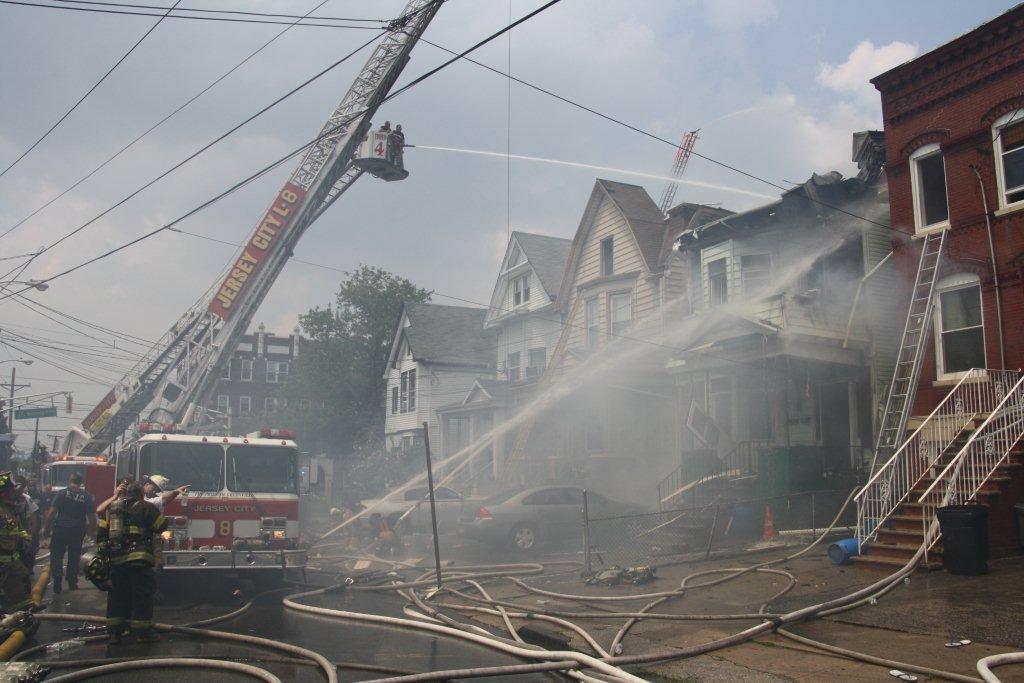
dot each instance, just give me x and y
(29, 413)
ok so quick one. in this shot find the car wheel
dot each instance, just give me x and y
(524, 537)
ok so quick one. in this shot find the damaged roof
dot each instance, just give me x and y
(452, 335)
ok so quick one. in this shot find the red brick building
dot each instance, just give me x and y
(954, 138)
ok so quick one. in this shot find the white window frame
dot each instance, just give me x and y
(245, 405)
(593, 322)
(521, 290)
(271, 405)
(305, 404)
(614, 310)
(245, 364)
(514, 369)
(226, 374)
(946, 285)
(280, 373)
(724, 260)
(223, 403)
(1015, 116)
(535, 369)
(916, 193)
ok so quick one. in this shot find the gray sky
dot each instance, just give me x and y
(777, 87)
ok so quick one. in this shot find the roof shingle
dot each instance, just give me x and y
(448, 334)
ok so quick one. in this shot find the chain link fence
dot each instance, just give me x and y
(658, 537)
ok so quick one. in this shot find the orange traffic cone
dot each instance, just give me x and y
(769, 524)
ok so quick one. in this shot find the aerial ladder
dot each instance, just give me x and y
(682, 158)
(172, 380)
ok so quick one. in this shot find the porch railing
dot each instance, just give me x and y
(987, 448)
(976, 395)
(742, 460)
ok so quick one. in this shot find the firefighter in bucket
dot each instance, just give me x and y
(126, 538)
(15, 539)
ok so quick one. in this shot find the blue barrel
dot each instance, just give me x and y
(840, 552)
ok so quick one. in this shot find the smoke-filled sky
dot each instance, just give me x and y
(777, 88)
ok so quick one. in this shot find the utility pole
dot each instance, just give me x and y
(8, 448)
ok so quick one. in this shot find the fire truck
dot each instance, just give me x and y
(241, 512)
(97, 474)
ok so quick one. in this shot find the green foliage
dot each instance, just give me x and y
(343, 361)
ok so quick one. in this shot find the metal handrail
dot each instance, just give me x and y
(732, 464)
(986, 449)
(977, 393)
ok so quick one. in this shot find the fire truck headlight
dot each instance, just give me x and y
(166, 535)
(279, 534)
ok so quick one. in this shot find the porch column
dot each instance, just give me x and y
(851, 401)
(498, 461)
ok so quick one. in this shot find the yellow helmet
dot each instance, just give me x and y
(161, 482)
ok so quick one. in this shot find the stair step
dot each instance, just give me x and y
(889, 562)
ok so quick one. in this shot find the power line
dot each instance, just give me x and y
(159, 123)
(96, 10)
(279, 161)
(645, 133)
(199, 152)
(89, 91)
(227, 11)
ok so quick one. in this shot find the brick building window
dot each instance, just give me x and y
(226, 372)
(1008, 145)
(245, 369)
(928, 185)
(222, 403)
(959, 328)
(244, 405)
(277, 371)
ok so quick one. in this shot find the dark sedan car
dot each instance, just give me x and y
(522, 519)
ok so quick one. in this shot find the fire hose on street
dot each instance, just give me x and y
(606, 663)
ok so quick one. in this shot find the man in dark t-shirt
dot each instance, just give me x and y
(71, 514)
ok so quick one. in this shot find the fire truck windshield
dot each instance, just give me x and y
(261, 469)
(60, 473)
(200, 465)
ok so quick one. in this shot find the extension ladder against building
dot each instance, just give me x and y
(911, 352)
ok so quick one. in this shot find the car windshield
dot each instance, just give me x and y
(59, 474)
(261, 469)
(199, 465)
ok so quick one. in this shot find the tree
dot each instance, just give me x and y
(343, 360)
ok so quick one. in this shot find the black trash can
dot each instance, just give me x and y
(964, 539)
(1019, 510)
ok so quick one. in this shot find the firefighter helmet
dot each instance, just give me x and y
(98, 572)
(6, 481)
(158, 480)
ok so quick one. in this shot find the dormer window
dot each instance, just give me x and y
(521, 290)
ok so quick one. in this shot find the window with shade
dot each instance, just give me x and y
(620, 307)
(959, 328)
(521, 290)
(928, 186)
(537, 360)
(1008, 146)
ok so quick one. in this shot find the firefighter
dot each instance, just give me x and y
(396, 146)
(70, 519)
(126, 535)
(15, 539)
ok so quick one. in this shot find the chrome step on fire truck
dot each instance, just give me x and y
(241, 512)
